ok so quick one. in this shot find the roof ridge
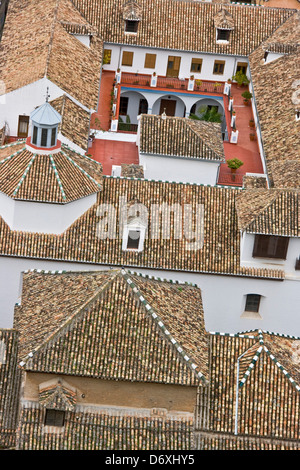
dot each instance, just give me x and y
(278, 196)
(201, 123)
(156, 318)
(267, 203)
(81, 169)
(51, 36)
(24, 174)
(57, 177)
(71, 319)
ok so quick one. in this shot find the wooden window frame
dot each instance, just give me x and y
(262, 249)
(127, 58)
(197, 62)
(24, 119)
(219, 63)
(150, 61)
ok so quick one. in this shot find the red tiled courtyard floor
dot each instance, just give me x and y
(103, 113)
(110, 152)
(245, 150)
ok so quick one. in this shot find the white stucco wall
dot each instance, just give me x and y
(288, 265)
(184, 170)
(162, 60)
(24, 100)
(43, 217)
(223, 296)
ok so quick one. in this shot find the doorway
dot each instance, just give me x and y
(173, 66)
(167, 106)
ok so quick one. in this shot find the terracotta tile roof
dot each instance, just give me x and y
(184, 25)
(223, 19)
(181, 137)
(75, 123)
(269, 367)
(57, 178)
(9, 387)
(269, 212)
(139, 329)
(104, 431)
(57, 397)
(220, 253)
(43, 47)
(276, 106)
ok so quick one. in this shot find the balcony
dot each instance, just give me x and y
(171, 83)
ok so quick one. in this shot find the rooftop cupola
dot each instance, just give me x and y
(45, 121)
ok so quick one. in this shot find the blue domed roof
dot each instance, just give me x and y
(46, 115)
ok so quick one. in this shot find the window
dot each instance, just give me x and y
(54, 418)
(127, 58)
(219, 66)
(150, 61)
(196, 65)
(23, 126)
(143, 106)
(107, 56)
(123, 106)
(131, 26)
(269, 246)
(223, 34)
(34, 136)
(242, 67)
(44, 138)
(133, 240)
(252, 303)
(53, 136)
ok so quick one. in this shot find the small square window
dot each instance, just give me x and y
(219, 66)
(133, 241)
(54, 418)
(131, 26)
(223, 34)
(196, 65)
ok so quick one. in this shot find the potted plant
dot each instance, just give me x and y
(216, 84)
(240, 78)
(247, 97)
(252, 136)
(251, 123)
(198, 84)
(234, 164)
